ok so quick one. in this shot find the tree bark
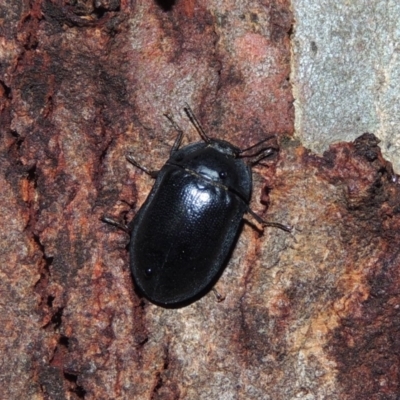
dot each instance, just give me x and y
(311, 314)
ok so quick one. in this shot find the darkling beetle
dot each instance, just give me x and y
(183, 233)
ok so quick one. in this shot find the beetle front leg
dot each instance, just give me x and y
(174, 148)
(131, 159)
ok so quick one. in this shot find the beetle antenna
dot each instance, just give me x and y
(257, 155)
(178, 139)
(255, 145)
(195, 122)
(255, 158)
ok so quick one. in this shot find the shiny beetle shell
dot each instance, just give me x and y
(183, 233)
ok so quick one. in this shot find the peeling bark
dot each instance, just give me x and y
(312, 314)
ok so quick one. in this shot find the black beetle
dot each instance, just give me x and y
(183, 233)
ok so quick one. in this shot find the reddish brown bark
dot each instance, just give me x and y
(82, 83)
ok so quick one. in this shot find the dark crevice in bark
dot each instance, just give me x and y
(56, 319)
(18, 142)
(79, 391)
(160, 380)
(6, 90)
(166, 5)
(42, 283)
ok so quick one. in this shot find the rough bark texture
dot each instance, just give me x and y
(312, 314)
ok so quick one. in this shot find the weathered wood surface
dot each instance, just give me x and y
(310, 315)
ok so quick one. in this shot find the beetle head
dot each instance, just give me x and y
(216, 161)
(224, 147)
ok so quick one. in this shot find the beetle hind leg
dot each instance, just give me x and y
(285, 228)
(220, 297)
(113, 222)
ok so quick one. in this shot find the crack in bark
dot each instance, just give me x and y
(159, 375)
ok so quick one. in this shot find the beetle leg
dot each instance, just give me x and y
(115, 223)
(285, 228)
(218, 295)
(178, 139)
(131, 159)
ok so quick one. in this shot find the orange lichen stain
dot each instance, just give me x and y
(354, 283)
(25, 190)
(98, 270)
(68, 330)
(252, 47)
(279, 305)
(311, 345)
(188, 8)
(352, 304)
(301, 152)
(311, 338)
